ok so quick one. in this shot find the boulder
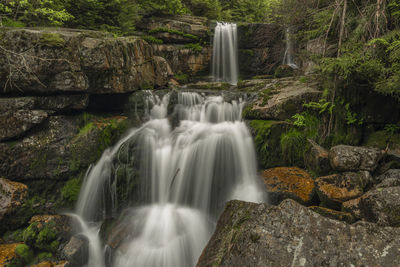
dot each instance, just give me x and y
(353, 158)
(317, 158)
(382, 206)
(76, 251)
(335, 189)
(278, 99)
(389, 179)
(334, 214)
(52, 264)
(75, 61)
(353, 207)
(288, 182)
(250, 234)
(12, 196)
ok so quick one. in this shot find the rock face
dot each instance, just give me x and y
(351, 158)
(250, 234)
(12, 196)
(261, 48)
(76, 251)
(317, 158)
(76, 61)
(286, 182)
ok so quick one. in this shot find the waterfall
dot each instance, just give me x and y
(225, 53)
(187, 173)
(288, 56)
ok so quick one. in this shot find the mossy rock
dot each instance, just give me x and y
(24, 252)
(267, 135)
(51, 39)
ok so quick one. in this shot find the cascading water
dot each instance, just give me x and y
(288, 56)
(225, 53)
(186, 175)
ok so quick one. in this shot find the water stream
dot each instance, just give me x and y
(187, 174)
(225, 53)
(288, 56)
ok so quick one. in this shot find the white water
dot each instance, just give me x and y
(225, 53)
(189, 173)
(288, 56)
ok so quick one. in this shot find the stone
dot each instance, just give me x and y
(317, 158)
(184, 60)
(278, 99)
(47, 232)
(381, 206)
(62, 148)
(250, 234)
(76, 61)
(288, 182)
(353, 207)
(333, 214)
(76, 251)
(388, 179)
(7, 253)
(335, 189)
(12, 196)
(16, 123)
(353, 158)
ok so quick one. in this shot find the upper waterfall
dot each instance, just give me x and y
(288, 57)
(225, 53)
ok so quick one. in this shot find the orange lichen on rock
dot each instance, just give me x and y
(333, 214)
(292, 182)
(7, 253)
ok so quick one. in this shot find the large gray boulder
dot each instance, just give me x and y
(353, 158)
(290, 234)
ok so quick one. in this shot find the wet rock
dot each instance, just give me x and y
(7, 253)
(16, 123)
(288, 182)
(52, 264)
(76, 251)
(335, 189)
(334, 214)
(250, 234)
(382, 206)
(76, 61)
(317, 158)
(389, 179)
(12, 196)
(352, 158)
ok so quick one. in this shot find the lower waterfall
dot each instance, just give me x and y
(187, 173)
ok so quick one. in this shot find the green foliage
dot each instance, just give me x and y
(52, 39)
(186, 35)
(195, 47)
(293, 144)
(42, 236)
(24, 252)
(70, 191)
(152, 40)
(182, 78)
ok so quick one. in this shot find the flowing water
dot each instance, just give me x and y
(225, 53)
(187, 173)
(288, 56)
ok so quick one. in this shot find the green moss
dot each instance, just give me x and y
(283, 71)
(14, 236)
(24, 252)
(293, 144)
(42, 237)
(70, 191)
(383, 139)
(186, 35)
(267, 141)
(51, 39)
(182, 78)
(197, 48)
(152, 40)
(86, 129)
(44, 256)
